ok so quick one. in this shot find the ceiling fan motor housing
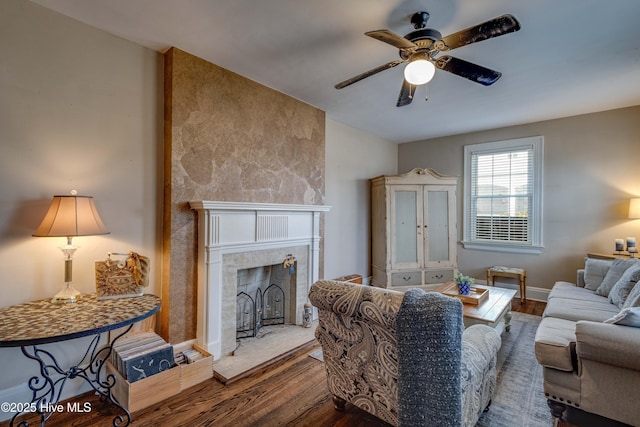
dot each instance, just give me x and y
(423, 37)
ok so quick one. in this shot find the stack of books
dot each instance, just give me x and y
(142, 355)
(188, 356)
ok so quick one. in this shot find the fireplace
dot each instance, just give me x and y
(237, 236)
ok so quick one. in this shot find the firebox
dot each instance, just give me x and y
(263, 294)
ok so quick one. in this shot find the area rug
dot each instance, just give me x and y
(518, 400)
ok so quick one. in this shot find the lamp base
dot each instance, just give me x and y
(67, 295)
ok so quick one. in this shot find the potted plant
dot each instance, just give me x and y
(464, 283)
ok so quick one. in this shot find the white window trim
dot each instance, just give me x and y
(536, 246)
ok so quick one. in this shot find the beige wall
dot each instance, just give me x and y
(227, 138)
(79, 109)
(590, 172)
(352, 158)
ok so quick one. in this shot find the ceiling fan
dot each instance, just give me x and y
(420, 49)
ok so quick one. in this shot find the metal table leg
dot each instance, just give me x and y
(47, 388)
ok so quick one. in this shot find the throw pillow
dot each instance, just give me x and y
(627, 317)
(617, 269)
(624, 285)
(594, 272)
(633, 300)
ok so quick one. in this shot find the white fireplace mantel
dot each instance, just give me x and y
(238, 227)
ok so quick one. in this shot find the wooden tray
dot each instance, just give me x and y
(476, 295)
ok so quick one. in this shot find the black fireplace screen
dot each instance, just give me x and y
(265, 309)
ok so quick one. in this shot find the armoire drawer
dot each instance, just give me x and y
(406, 278)
(438, 276)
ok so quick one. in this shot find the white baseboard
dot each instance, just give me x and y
(533, 293)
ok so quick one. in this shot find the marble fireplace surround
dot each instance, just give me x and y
(234, 236)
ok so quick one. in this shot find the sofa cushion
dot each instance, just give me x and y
(563, 285)
(617, 269)
(555, 343)
(624, 285)
(571, 291)
(595, 271)
(576, 309)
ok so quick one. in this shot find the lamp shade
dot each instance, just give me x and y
(70, 216)
(634, 208)
(419, 72)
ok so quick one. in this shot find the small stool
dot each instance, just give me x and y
(511, 272)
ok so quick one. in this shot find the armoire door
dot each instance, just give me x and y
(406, 223)
(439, 229)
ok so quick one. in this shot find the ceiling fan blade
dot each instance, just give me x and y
(393, 39)
(366, 74)
(475, 73)
(406, 94)
(495, 27)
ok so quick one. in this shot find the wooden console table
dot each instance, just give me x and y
(32, 324)
(623, 255)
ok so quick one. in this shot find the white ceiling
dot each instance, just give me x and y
(570, 57)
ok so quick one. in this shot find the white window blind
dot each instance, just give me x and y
(502, 193)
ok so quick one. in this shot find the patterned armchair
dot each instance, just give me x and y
(405, 358)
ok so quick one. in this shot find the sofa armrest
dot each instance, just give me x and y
(580, 278)
(615, 345)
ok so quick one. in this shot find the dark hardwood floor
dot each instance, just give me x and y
(292, 392)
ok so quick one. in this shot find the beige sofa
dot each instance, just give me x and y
(588, 341)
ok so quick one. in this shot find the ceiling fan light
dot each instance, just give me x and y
(419, 72)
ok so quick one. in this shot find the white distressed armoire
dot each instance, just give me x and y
(414, 232)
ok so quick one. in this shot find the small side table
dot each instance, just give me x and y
(509, 272)
(32, 324)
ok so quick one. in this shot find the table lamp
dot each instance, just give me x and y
(70, 216)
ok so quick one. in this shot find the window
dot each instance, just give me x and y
(503, 195)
